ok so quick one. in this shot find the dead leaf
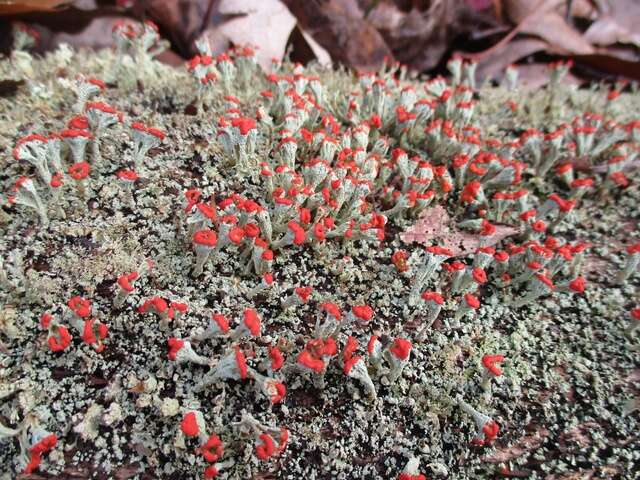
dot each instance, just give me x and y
(434, 227)
(543, 20)
(525, 445)
(618, 24)
(266, 24)
(339, 26)
(13, 7)
(497, 61)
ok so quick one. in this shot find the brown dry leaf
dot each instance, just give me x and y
(266, 24)
(12, 7)
(434, 225)
(617, 24)
(436, 24)
(497, 61)
(543, 20)
(339, 26)
(525, 445)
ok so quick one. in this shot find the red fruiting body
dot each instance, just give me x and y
(433, 297)
(127, 175)
(45, 320)
(175, 344)
(306, 359)
(39, 449)
(206, 238)
(399, 259)
(332, 309)
(61, 343)
(252, 321)
(221, 321)
(303, 293)
(490, 431)
(212, 450)
(79, 171)
(349, 348)
(371, 344)
(479, 275)
(124, 281)
(244, 124)
(349, 363)
(210, 472)
(281, 390)
(470, 192)
(277, 359)
(79, 122)
(472, 301)
(490, 363)
(56, 180)
(578, 285)
(546, 280)
(267, 448)
(362, 312)
(241, 363)
(406, 476)
(401, 348)
(635, 313)
(80, 306)
(189, 425)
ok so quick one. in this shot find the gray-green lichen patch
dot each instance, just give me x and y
(565, 404)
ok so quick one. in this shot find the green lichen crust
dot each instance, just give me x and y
(567, 402)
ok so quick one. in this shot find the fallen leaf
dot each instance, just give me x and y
(339, 27)
(542, 19)
(12, 7)
(494, 64)
(617, 24)
(266, 24)
(434, 227)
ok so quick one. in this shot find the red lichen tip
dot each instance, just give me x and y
(306, 359)
(433, 297)
(241, 363)
(362, 312)
(124, 281)
(277, 359)
(127, 175)
(175, 344)
(350, 348)
(221, 321)
(267, 448)
(36, 451)
(189, 425)
(79, 171)
(45, 320)
(479, 275)
(349, 364)
(472, 301)
(80, 306)
(207, 238)
(62, 341)
(332, 309)
(252, 321)
(401, 348)
(303, 293)
(490, 363)
(212, 450)
(578, 285)
(244, 124)
(635, 313)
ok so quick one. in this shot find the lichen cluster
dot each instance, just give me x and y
(204, 274)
